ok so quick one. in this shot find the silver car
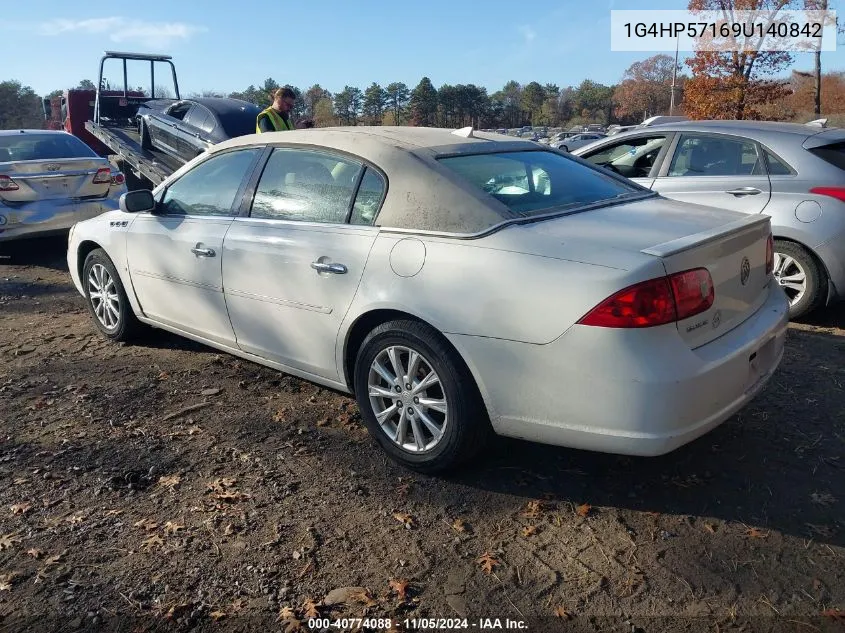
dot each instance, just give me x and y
(459, 284)
(794, 173)
(49, 180)
(579, 140)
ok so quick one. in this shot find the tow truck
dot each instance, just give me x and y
(106, 120)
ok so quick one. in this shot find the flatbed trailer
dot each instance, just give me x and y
(147, 166)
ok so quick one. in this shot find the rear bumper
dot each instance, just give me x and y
(632, 392)
(47, 217)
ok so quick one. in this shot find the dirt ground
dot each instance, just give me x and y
(165, 486)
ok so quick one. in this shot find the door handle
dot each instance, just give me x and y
(324, 267)
(744, 191)
(202, 252)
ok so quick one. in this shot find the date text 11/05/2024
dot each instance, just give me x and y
(417, 624)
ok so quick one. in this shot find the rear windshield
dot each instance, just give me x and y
(240, 122)
(42, 147)
(536, 182)
(833, 154)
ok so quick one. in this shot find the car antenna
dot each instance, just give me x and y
(466, 132)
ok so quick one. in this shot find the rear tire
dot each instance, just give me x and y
(801, 277)
(106, 298)
(144, 133)
(448, 401)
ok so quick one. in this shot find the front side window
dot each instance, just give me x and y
(632, 157)
(210, 187)
(715, 156)
(307, 186)
(536, 182)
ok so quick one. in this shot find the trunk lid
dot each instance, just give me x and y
(730, 245)
(54, 178)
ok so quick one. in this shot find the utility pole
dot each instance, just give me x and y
(674, 78)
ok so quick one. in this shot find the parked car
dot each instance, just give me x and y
(49, 180)
(794, 173)
(331, 254)
(184, 129)
(576, 141)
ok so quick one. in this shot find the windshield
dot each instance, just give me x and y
(42, 147)
(536, 182)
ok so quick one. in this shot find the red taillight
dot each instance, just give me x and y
(655, 302)
(7, 184)
(118, 178)
(770, 255)
(693, 291)
(833, 192)
(102, 176)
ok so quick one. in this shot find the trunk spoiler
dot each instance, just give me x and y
(673, 247)
(826, 137)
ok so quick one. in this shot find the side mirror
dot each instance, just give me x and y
(139, 201)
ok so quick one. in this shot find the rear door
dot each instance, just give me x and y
(637, 157)
(163, 129)
(716, 170)
(291, 269)
(192, 129)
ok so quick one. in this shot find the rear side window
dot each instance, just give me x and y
(777, 167)
(715, 156)
(535, 182)
(239, 122)
(833, 154)
(368, 199)
(43, 147)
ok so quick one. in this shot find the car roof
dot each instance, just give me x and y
(224, 105)
(18, 132)
(422, 195)
(729, 127)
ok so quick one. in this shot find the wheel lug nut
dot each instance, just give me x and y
(416, 400)
(399, 403)
(408, 386)
(398, 389)
(410, 411)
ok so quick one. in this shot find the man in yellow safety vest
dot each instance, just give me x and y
(277, 117)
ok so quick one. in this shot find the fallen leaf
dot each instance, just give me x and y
(583, 510)
(7, 580)
(153, 541)
(459, 525)
(823, 498)
(53, 560)
(293, 626)
(710, 528)
(286, 613)
(232, 496)
(229, 530)
(169, 481)
(146, 524)
(406, 519)
(7, 540)
(76, 518)
(529, 530)
(113, 513)
(213, 391)
(487, 562)
(20, 481)
(163, 376)
(177, 610)
(238, 605)
(217, 615)
(756, 533)
(403, 489)
(400, 586)
(35, 553)
(221, 484)
(836, 614)
(363, 596)
(171, 528)
(21, 508)
(279, 416)
(561, 612)
(534, 509)
(311, 609)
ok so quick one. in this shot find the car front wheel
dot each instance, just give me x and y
(801, 278)
(106, 298)
(417, 397)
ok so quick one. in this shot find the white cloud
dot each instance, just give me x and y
(119, 29)
(528, 33)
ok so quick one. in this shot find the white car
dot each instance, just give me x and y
(457, 283)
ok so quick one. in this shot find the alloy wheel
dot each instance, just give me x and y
(102, 293)
(791, 276)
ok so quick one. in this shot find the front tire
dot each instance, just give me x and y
(106, 298)
(417, 397)
(801, 278)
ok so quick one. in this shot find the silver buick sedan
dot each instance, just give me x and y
(458, 283)
(50, 180)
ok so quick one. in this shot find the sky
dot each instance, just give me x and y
(226, 46)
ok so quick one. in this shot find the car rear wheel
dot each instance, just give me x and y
(144, 133)
(802, 279)
(106, 298)
(417, 397)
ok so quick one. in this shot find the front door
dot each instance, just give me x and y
(174, 254)
(718, 171)
(291, 269)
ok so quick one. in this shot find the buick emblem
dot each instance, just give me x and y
(52, 167)
(744, 271)
(717, 319)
